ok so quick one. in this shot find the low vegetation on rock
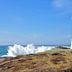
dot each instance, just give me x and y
(56, 60)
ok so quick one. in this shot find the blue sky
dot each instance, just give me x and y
(35, 21)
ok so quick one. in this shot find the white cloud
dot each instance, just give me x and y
(63, 4)
(64, 8)
(58, 3)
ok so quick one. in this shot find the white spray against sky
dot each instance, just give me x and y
(15, 50)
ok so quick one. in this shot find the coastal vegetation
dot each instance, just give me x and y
(55, 60)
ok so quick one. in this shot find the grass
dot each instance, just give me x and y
(55, 60)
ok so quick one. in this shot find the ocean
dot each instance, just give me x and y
(14, 50)
(3, 49)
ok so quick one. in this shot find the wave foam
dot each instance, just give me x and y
(15, 50)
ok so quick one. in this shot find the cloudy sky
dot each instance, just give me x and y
(35, 21)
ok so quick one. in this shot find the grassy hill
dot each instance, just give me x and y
(55, 60)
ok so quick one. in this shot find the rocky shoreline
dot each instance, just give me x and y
(56, 60)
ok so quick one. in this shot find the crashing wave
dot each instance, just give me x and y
(15, 50)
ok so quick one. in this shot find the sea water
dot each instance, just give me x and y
(3, 49)
(14, 50)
